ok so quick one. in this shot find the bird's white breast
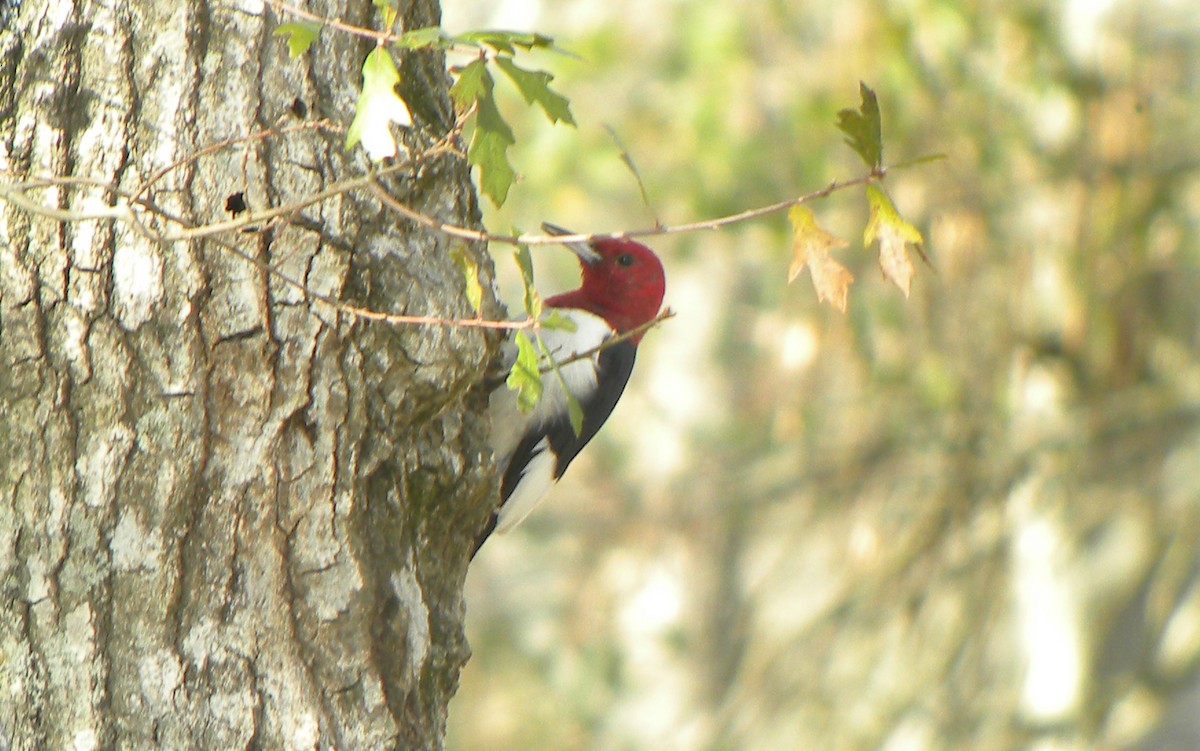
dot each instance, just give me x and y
(509, 424)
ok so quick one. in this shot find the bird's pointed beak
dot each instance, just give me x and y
(581, 249)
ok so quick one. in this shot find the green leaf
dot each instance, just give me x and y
(559, 322)
(489, 150)
(300, 36)
(533, 301)
(863, 128)
(492, 137)
(535, 88)
(378, 106)
(525, 378)
(429, 36)
(894, 235)
(468, 83)
(508, 41)
(470, 272)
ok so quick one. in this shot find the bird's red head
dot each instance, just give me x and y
(623, 282)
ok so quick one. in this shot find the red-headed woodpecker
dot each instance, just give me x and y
(622, 289)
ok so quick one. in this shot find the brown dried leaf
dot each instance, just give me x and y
(894, 235)
(810, 247)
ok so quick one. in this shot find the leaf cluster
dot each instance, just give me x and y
(811, 244)
(494, 54)
(473, 91)
(379, 105)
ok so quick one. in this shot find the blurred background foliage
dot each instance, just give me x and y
(969, 519)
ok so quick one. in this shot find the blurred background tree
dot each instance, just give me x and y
(965, 520)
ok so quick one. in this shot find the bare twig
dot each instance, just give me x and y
(128, 206)
(334, 23)
(124, 209)
(609, 342)
(675, 229)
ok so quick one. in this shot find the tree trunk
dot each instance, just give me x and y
(231, 516)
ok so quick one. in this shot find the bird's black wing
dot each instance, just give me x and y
(615, 363)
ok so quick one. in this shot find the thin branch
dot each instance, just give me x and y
(124, 209)
(610, 342)
(743, 216)
(366, 313)
(429, 222)
(16, 196)
(538, 239)
(15, 193)
(370, 180)
(334, 23)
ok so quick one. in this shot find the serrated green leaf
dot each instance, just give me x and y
(533, 301)
(894, 234)
(468, 83)
(491, 136)
(300, 36)
(534, 86)
(524, 377)
(489, 152)
(378, 106)
(429, 36)
(508, 41)
(559, 322)
(863, 128)
(489, 143)
(470, 272)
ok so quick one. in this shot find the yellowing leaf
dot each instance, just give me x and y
(300, 36)
(894, 235)
(470, 272)
(810, 247)
(378, 106)
(559, 322)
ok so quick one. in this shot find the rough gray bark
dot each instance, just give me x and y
(229, 516)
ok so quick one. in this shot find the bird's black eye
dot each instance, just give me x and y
(625, 259)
